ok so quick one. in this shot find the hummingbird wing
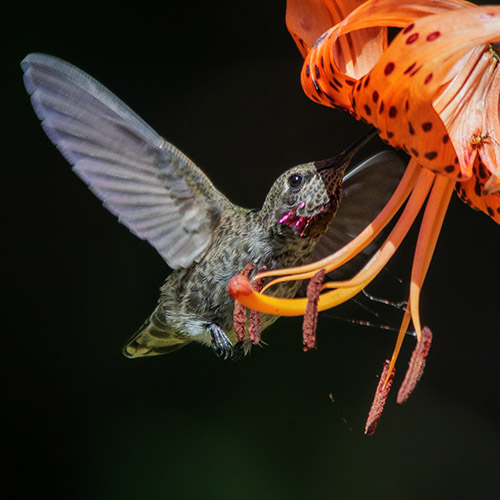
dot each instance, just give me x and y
(156, 191)
(366, 189)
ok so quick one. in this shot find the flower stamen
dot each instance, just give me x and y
(381, 393)
(311, 314)
(416, 365)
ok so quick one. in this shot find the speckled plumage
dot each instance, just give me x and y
(192, 299)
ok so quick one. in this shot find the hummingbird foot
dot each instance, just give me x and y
(222, 346)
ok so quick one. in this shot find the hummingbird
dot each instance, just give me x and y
(163, 197)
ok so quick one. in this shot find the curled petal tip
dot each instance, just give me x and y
(238, 286)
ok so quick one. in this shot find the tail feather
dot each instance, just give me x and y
(153, 338)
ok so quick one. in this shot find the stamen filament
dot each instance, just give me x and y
(399, 342)
(240, 289)
(430, 228)
(400, 230)
(432, 221)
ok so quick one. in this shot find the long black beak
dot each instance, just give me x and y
(342, 160)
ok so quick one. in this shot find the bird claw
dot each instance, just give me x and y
(221, 345)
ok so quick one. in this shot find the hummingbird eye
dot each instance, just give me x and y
(295, 180)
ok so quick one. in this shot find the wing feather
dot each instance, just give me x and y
(153, 189)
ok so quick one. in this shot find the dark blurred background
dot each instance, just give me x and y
(220, 80)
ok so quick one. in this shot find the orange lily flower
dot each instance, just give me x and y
(433, 92)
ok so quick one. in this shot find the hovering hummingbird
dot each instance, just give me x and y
(164, 198)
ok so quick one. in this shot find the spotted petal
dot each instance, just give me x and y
(307, 20)
(332, 67)
(424, 81)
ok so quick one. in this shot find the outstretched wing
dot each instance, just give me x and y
(366, 189)
(156, 191)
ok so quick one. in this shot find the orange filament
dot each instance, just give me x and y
(429, 232)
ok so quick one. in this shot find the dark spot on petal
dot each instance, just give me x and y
(358, 86)
(427, 126)
(339, 84)
(482, 171)
(491, 213)
(381, 109)
(415, 71)
(411, 129)
(367, 109)
(322, 62)
(498, 210)
(308, 71)
(408, 69)
(393, 112)
(334, 87)
(428, 78)
(408, 28)
(430, 155)
(367, 81)
(390, 135)
(449, 168)
(455, 160)
(350, 83)
(389, 68)
(477, 188)
(353, 102)
(316, 71)
(432, 36)
(375, 96)
(446, 138)
(407, 105)
(414, 152)
(412, 39)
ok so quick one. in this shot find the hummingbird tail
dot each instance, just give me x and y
(153, 338)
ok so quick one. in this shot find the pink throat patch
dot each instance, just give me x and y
(291, 219)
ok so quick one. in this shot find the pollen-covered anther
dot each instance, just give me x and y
(416, 365)
(255, 316)
(311, 313)
(383, 388)
(240, 311)
(239, 320)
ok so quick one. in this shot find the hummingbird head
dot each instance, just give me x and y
(304, 200)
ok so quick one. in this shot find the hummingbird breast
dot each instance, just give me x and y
(196, 297)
